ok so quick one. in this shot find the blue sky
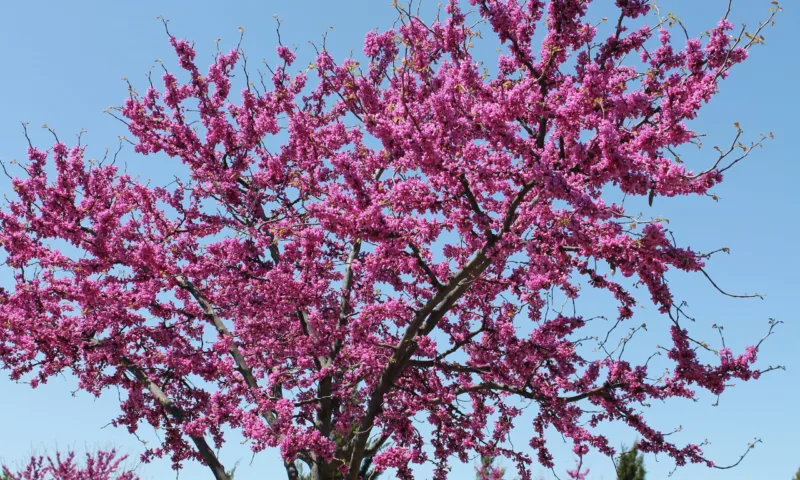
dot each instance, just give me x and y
(63, 62)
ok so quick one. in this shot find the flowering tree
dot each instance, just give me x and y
(391, 254)
(102, 465)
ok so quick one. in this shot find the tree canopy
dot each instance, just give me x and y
(362, 243)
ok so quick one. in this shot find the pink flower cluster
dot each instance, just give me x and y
(102, 465)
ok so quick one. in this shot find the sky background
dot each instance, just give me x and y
(63, 63)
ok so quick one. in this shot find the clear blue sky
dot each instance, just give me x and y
(63, 61)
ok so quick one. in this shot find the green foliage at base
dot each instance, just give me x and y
(631, 465)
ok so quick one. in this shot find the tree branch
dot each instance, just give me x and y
(435, 309)
(241, 364)
(179, 416)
